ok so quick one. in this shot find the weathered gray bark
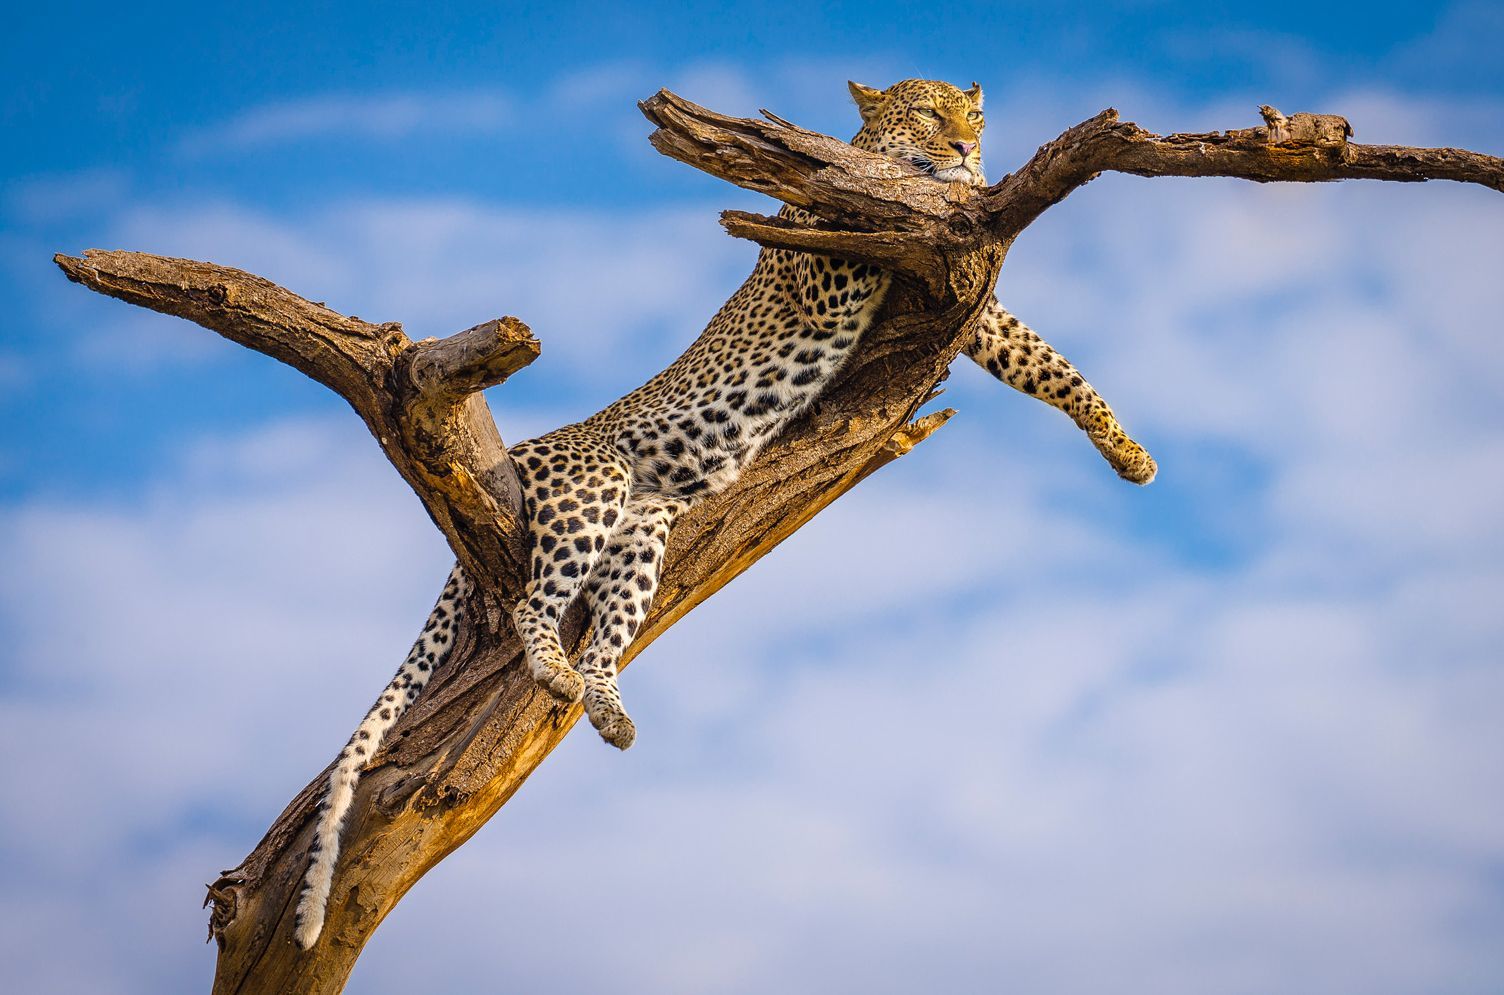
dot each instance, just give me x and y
(482, 726)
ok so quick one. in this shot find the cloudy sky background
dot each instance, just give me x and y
(996, 720)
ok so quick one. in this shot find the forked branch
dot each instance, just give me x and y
(420, 401)
(482, 726)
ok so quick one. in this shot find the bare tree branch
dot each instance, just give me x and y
(892, 251)
(449, 452)
(449, 370)
(482, 726)
(804, 168)
(1304, 148)
(344, 354)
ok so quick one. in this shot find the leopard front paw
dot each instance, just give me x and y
(1132, 461)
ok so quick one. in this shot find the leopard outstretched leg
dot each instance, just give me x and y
(574, 487)
(620, 592)
(1016, 355)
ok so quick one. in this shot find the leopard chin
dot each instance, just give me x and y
(961, 174)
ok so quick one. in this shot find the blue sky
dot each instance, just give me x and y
(1235, 732)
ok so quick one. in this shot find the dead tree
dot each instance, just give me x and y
(483, 726)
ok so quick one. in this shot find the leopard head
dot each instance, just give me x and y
(930, 124)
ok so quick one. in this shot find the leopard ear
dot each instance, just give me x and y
(868, 100)
(975, 95)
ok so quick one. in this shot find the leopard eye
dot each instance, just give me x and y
(927, 112)
(973, 116)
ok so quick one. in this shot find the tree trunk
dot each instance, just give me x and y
(482, 726)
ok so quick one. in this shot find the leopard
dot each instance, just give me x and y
(601, 496)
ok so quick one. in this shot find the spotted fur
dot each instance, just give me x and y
(602, 496)
(1016, 355)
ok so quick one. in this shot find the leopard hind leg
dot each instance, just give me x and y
(574, 487)
(620, 592)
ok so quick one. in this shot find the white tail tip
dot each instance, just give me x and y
(307, 933)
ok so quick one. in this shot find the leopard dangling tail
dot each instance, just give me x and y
(431, 650)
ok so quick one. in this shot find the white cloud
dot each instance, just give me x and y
(1270, 54)
(381, 117)
(982, 716)
(44, 199)
(229, 638)
(591, 285)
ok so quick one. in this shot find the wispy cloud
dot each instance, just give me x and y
(44, 199)
(1466, 40)
(612, 294)
(977, 717)
(381, 117)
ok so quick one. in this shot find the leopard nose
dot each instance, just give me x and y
(965, 148)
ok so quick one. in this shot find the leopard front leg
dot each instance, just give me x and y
(620, 592)
(1016, 355)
